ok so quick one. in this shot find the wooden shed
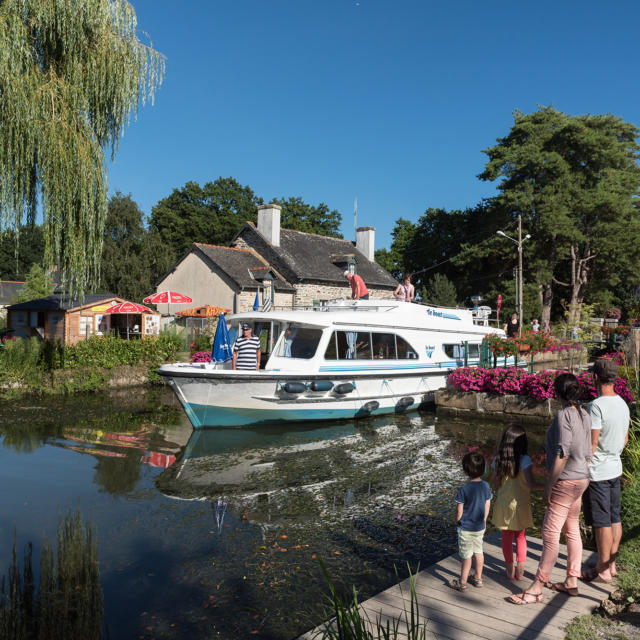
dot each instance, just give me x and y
(64, 319)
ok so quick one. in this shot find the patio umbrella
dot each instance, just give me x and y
(221, 351)
(127, 308)
(168, 297)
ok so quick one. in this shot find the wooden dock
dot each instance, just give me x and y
(485, 612)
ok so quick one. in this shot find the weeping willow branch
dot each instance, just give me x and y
(72, 73)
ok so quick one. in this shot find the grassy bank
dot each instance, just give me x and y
(610, 620)
(30, 366)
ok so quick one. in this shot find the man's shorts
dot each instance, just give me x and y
(601, 503)
(469, 542)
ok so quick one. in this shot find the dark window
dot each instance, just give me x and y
(405, 350)
(455, 351)
(300, 342)
(384, 346)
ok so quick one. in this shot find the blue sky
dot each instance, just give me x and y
(389, 101)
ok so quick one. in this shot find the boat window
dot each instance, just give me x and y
(384, 346)
(299, 342)
(455, 351)
(405, 350)
(349, 345)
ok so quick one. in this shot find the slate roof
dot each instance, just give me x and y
(239, 264)
(307, 257)
(9, 289)
(59, 302)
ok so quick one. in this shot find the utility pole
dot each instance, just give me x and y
(520, 287)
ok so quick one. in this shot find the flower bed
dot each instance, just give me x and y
(530, 342)
(511, 380)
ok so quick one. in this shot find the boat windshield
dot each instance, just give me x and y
(299, 342)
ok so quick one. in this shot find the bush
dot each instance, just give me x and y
(511, 380)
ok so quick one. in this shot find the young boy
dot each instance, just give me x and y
(472, 510)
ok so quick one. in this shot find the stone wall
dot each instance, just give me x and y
(508, 408)
(284, 299)
(307, 293)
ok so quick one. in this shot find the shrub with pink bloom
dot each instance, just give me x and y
(511, 380)
(616, 356)
(201, 356)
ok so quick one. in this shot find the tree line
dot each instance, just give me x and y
(575, 181)
(138, 250)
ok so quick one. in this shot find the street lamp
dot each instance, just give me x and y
(519, 242)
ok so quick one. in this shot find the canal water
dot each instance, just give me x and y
(218, 533)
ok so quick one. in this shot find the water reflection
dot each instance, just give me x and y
(217, 533)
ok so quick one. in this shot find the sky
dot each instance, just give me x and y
(387, 101)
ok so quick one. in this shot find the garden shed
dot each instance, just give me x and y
(67, 319)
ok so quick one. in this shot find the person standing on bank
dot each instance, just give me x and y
(512, 326)
(405, 290)
(246, 350)
(359, 290)
(601, 501)
(568, 449)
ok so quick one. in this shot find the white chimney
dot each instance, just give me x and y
(269, 222)
(365, 241)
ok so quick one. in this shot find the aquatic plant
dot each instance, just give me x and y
(351, 622)
(67, 602)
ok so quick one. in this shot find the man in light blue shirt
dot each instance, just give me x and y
(601, 501)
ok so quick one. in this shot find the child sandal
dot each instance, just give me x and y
(475, 581)
(457, 585)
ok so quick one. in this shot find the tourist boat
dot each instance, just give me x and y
(343, 359)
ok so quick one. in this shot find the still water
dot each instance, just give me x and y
(217, 533)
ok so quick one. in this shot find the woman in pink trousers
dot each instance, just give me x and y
(568, 452)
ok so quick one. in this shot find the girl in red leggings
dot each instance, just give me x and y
(512, 472)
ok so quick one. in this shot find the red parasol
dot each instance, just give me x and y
(167, 297)
(128, 307)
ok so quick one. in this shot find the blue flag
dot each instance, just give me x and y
(221, 351)
(256, 302)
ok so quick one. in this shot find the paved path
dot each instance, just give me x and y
(486, 612)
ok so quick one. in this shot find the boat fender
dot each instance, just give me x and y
(294, 387)
(321, 385)
(370, 406)
(345, 387)
(404, 403)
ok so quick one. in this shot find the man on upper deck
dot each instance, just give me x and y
(359, 290)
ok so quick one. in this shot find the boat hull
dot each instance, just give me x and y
(221, 399)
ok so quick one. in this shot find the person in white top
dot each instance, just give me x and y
(405, 290)
(601, 501)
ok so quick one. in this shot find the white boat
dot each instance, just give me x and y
(341, 360)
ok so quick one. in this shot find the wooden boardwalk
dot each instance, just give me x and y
(486, 612)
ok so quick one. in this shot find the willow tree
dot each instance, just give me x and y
(72, 72)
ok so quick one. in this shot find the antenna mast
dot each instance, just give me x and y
(355, 214)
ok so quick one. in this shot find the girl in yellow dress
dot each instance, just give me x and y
(512, 470)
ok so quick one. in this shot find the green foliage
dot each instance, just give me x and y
(18, 251)
(71, 74)
(300, 216)
(350, 622)
(440, 290)
(68, 601)
(133, 259)
(37, 285)
(39, 364)
(212, 214)
(574, 179)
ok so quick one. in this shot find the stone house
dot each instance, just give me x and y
(9, 289)
(288, 268)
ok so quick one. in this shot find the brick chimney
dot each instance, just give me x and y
(365, 241)
(269, 222)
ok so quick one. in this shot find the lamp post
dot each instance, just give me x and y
(519, 242)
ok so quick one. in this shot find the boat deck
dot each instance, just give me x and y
(485, 612)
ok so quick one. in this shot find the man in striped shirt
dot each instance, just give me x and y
(246, 350)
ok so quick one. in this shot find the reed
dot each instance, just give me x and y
(351, 622)
(67, 602)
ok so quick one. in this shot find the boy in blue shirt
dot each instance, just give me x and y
(472, 510)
